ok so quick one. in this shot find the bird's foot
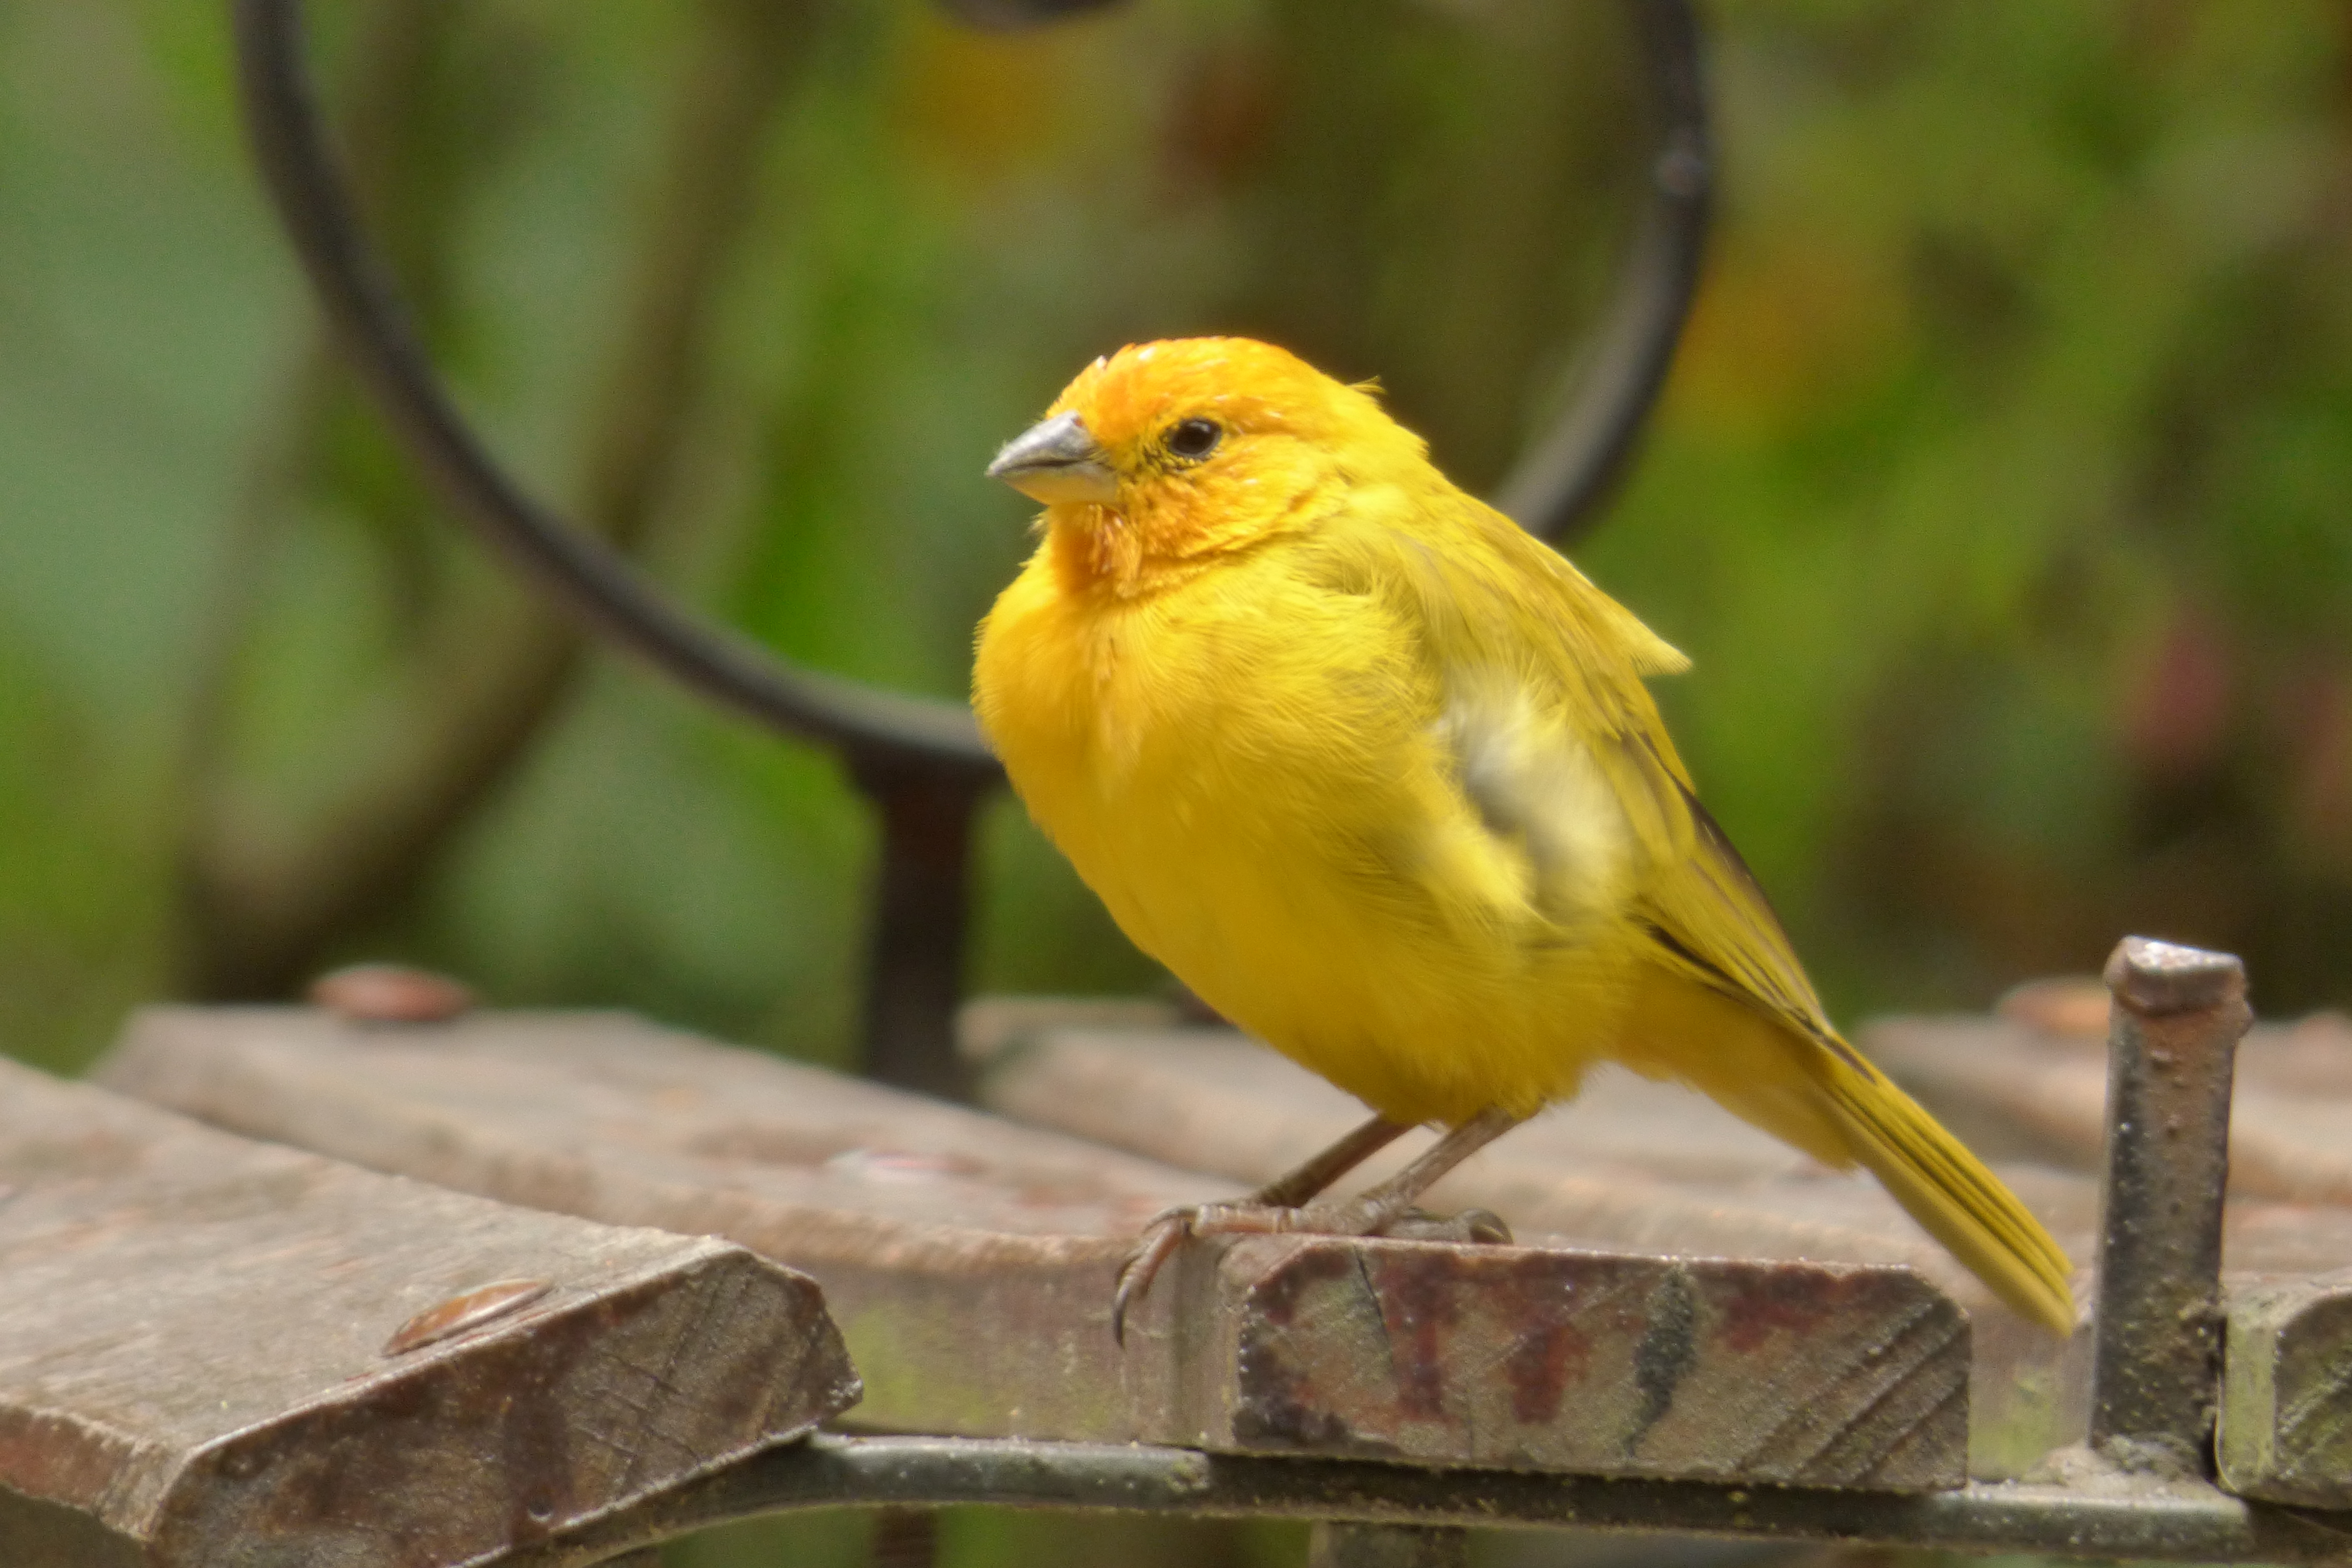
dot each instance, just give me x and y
(1471, 1227)
(1168, 1231)
(1171, 1228)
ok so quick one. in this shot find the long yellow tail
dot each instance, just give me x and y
(1951, 1194)
(1817, 1093)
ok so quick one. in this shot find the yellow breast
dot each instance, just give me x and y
(1251, 773)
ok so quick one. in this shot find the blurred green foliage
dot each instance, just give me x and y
(1998, 493)
(2001, 493)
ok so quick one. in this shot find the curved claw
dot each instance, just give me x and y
(1158, 1244)
(1169, 1228)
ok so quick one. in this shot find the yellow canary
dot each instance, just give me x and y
(1375, 773)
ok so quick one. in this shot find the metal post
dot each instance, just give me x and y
(2172, 1044)
(1337, 1545)
(905, 1538)
(914, 970)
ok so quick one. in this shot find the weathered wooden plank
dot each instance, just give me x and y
(2033, 1082)
(921, 1221)
(2041, 1093)
(195, 1362)
(1797, 1373)
(1637, 1163)
(1630, 1163)
(968, 1261)
(2287, 1403)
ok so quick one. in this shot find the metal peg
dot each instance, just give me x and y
(1337, 1545)
(2172, 1046)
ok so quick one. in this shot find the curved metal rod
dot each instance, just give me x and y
(1555, 489)
(2190, 1522)
(1017, 15)
(880, 733)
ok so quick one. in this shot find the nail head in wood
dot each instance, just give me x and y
(464, 1314)
(391, 994)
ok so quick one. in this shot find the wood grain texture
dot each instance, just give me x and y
(1801, 1374)
(193, 1368)
(2286, 1404)
(970, 1261)
(1637, 1163)
(2033, 1084)
(1631, 1164)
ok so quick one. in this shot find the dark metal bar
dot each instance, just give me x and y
(2187, 1521)
(1335, 1544)
(1014, 15)
(914, 966)
(2172, 1044)
(580, 572)
(905, 1538)
(1557, 488)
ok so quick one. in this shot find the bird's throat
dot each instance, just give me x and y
(1094, 549)
(1128, 551)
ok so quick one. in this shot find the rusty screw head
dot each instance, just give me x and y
(390, 994)
(462, 1314)
(2153, 978)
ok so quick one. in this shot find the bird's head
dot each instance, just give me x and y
(1164, 453)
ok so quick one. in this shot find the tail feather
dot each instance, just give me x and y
(1795, 1078)
(1948, 1191)
(1725, 1007)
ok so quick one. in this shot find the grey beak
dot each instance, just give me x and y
(1058, 461)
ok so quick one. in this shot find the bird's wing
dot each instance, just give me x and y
(1506, 615)
(1712, 922)
(1539, 676)
(1543, 681)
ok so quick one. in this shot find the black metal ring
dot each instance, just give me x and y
(1554, 491)
(879, 733)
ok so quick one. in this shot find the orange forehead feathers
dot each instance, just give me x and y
(1247, 386)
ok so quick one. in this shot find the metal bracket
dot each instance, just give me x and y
(2173, 1521)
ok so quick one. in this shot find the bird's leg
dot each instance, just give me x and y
(1369, 1213)
(1308, 1181)
(1377, 1207)
(1169, 1228)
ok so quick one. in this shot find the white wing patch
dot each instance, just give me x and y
(1536, 786)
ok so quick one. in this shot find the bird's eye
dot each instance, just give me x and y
(1194, 439)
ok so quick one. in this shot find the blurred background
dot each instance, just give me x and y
(1999, 493)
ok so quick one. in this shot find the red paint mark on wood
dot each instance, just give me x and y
(1786, 1301)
